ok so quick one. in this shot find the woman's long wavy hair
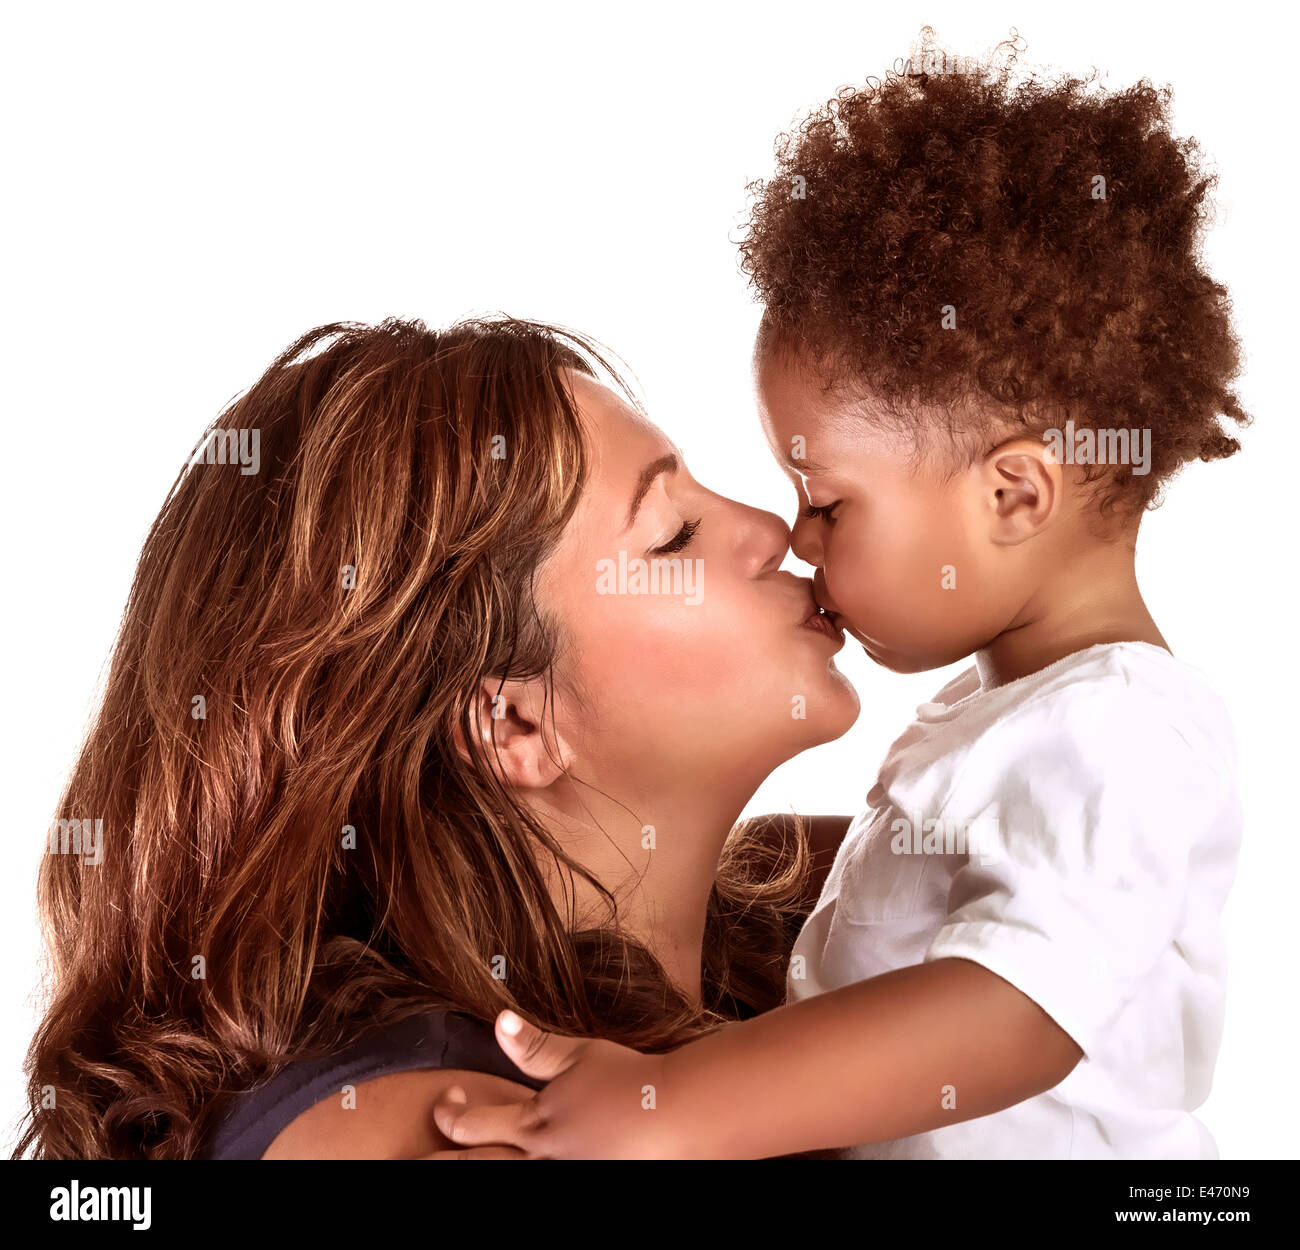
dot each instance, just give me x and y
(294, 849)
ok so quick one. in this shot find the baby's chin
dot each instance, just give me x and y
(899, 661)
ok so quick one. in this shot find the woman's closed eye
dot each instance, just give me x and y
(679, 540)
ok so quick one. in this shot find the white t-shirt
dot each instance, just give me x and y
(1075, 832)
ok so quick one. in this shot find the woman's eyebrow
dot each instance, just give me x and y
(665, 464)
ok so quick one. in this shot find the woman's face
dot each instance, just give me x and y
(687, 652)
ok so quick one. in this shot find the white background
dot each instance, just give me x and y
(189, 189)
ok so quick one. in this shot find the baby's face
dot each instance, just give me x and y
(904, 556)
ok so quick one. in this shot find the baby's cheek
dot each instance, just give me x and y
(894, 587)
(850, 562)
(867, 574)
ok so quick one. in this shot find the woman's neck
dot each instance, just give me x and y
(658, 856)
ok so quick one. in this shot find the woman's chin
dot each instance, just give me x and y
(835, 708)
(852, 703)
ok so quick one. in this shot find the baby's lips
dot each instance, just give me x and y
(822, 600)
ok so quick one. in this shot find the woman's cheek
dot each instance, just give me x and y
(662, 651)
(696, 646)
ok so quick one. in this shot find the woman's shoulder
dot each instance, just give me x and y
(371, 1099)
(386, 1117)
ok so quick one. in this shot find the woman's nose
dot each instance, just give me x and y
(766, 541)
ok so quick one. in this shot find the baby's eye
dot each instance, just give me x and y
(825, 511)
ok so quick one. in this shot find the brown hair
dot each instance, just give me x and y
(966, 189)
(335, 613)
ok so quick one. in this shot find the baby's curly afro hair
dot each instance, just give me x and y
(1056, 224)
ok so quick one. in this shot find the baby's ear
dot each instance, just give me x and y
(1022, 484)
(508, 722)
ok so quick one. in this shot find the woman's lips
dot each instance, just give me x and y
(824, 625)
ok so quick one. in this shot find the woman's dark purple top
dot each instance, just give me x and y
(436, 1039)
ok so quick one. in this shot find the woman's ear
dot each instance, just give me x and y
(508, 720)
(1021, 481)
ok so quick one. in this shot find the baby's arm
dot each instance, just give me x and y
(902, 1053)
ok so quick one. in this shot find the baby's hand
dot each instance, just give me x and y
(600, 1103)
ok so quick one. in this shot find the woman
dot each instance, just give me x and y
(443, 700)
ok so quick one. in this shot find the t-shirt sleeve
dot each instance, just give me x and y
(1084, 817)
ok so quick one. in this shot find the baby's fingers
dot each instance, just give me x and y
(484, 1124)
(479, 1152)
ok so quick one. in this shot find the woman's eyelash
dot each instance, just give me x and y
(679, 540)
(825, 511)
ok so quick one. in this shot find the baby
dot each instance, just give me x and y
(987, 345)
